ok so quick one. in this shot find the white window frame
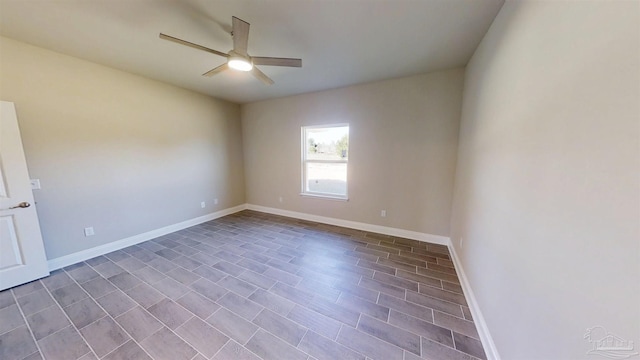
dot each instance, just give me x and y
(304, 162)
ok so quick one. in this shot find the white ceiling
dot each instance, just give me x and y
(341, 42)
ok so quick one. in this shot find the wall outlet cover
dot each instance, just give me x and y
(88, 231)
(35, 184)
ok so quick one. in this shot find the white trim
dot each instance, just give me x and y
(320, 126)
(323, 196)
(305, 161)
(408, 234)
(483, 330)
(317, 161)
(83, 255)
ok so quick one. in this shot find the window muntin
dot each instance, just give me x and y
(325, 154)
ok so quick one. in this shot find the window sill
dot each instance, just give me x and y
(327, 197)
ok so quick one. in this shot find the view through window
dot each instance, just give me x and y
(325, 152)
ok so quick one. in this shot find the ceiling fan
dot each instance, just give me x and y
(238, 58)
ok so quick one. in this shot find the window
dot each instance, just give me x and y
(325, 151)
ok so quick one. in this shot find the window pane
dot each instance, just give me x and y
(327, 178)
(330, 143)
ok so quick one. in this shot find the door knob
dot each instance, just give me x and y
(22, 205)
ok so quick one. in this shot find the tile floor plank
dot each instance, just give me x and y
(198, 304)
(202, 337)
(116, 303)
(130, 350)
(234, 351)
(322, 348)
(268, 346)
(370, 346)
(315, 321)
(170, 313)
(421, 327)
(240, 305)
(232, 325)
(18, 344)
(139, 323)
(272, 301)
(10, 318)
(389, 333)
(64, 344)
(164, 344)
(47, 322)
(406, 307)
(363, 306)
(35, 302)
(104, 335)
(469, 345)
(282, 327)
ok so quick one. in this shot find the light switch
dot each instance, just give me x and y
(35, 184)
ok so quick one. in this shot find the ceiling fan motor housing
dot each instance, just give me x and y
(238, 58)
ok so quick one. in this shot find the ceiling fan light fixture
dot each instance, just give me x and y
(237, 58)
(240, 63)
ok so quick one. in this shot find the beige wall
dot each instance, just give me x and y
(403, 141)
(547, 195)
(116, 151)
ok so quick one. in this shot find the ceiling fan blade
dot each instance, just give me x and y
(240, 35)
(190, 44)
(260, 75)
(271, 61)
(216, 70)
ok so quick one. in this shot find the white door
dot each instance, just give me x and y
(22, 256)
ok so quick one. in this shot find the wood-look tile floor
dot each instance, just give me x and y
(247, 286)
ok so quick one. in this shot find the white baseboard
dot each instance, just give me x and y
(408, 234)
(483, 331)
(87, 254)
(485, 337)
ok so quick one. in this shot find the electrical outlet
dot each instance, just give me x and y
(88, 231)
(461, 241)
(280, 199)
(203, 204)
(215, 201)
(383, 213)
(35, 184)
